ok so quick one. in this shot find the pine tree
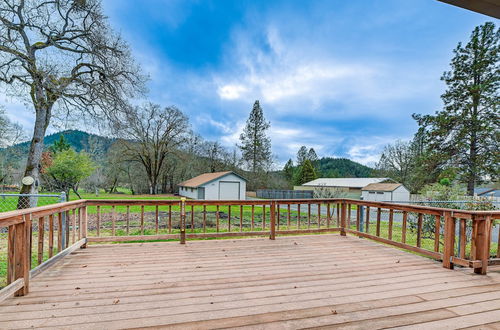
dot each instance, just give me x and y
(301, 155)
(307, 172)
(288, 171)
(312, 156)
(465, 133)
(255, 144)
(59, 146)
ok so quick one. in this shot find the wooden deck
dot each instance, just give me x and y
(292, 282)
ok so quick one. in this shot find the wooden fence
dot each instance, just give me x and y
(40, 236)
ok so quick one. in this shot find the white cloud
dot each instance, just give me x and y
(231, 92)
(368, 152)
(291, 75)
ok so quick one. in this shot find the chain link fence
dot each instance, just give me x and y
(284, 194)
(480, 204)
(11, 202)
(428, 228)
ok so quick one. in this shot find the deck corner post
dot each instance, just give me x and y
(482, 238)
(272, 226)
(449, 240)
(343, 215)
(182, 220)
(21, 254)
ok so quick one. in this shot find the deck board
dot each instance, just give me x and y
(324, 281)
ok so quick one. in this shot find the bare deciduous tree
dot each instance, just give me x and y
(10, 132)
(150, 134)
(62, 57)
(398, 160)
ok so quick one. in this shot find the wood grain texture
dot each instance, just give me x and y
(292, 282)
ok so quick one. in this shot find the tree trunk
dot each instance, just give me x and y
(75, 190)
(152, 186)
(33, 164)
(164, 184)
(471, 180)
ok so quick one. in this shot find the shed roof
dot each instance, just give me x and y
(206, 178)
(344, 182)
(382, 186)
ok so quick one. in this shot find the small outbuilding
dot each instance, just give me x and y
(385, 192)
(350, 187)
(215, 186)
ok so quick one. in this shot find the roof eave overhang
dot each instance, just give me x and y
(485, 7)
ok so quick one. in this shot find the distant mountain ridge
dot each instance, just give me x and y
(84, 141)
(343, 168)
(79, 140)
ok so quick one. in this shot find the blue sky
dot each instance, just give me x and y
(341, 76)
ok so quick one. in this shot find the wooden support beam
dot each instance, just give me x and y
(419, 229)
(22, 254)
(272, 234)
(482, 239)
(437, 232)
(379, 211)
(449, 240)
(343, 218)
(41, 232)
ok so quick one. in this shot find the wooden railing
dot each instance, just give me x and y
(38, 237)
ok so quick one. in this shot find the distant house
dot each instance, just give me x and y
(350, 186)
(214, 186)
(385, 192)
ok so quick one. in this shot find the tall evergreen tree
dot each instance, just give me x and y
(312, 156)
(301, 155)
(60, 145)
(255, 144)
(307, 172)
(466, 132)
(288, 171)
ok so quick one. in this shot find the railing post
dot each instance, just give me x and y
(62, 199)
(11, 248)
(361, 218)
(449, 240)
(21, 253)
(481, 237)
(84, 224)
(183, 221)
(272, 234)
(343, 216)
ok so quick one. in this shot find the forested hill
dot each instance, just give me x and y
(342, 168)
(79, 140)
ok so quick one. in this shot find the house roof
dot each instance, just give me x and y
(206, 178)
(382, 186)
(486, 7)
(345, 182)
(490, 192)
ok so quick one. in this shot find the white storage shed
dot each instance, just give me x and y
(215, 186)
(385, 192)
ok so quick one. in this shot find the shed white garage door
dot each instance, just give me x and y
(229, 190)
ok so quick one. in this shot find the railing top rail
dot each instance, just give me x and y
(229, 202)
(13, 217)
(466, 214)
(16, 216)
(111, 202)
